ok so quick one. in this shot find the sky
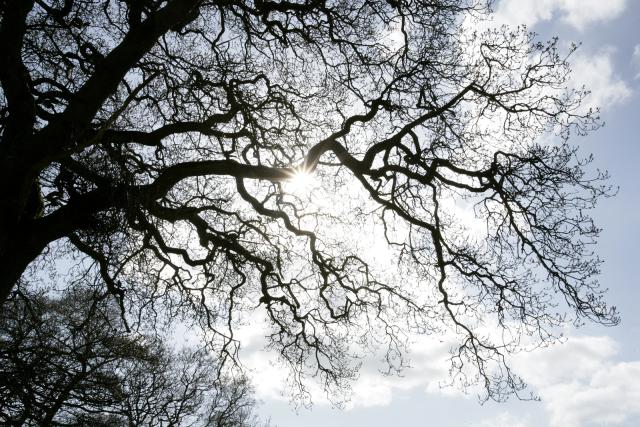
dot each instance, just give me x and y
(593, 378)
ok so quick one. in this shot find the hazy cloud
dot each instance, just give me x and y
(596, 72)
(580, 382)
(577, 13)
(503, 419)
(635, 60)
(429, 369)
(581, 385)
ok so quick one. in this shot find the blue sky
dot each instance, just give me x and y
(594, 378)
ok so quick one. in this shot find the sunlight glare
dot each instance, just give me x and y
(301, 181)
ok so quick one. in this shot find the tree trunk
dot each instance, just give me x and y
(18, 248)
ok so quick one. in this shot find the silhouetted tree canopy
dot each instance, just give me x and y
(162, 145)
(68, 361)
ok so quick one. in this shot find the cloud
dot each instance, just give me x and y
(503, 419)
(580, 13)
(580, 384)
(596, 69)
(261, 365)
(577, 13)
(596, 72)
(574, 360)
(429, 369)
(635, 60)
(612, 396)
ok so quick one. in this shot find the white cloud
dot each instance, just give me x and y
(524, 12)
(503, 419)
(581, 13)
(635, 60)
(261, 365)
(580, 384)
(577, 13)
(596, 72)
(596, 69)
(574, 360)
(612, 396)
(429, 368)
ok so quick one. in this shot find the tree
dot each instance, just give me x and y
(67, 361)
(164, 141)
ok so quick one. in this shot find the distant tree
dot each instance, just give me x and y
(67, 361)
(164, 141)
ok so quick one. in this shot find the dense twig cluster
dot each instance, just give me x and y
(67, 361)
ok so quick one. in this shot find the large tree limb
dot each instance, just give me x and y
(58, 137)
(15, 79)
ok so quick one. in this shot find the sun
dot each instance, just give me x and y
(301, 181)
